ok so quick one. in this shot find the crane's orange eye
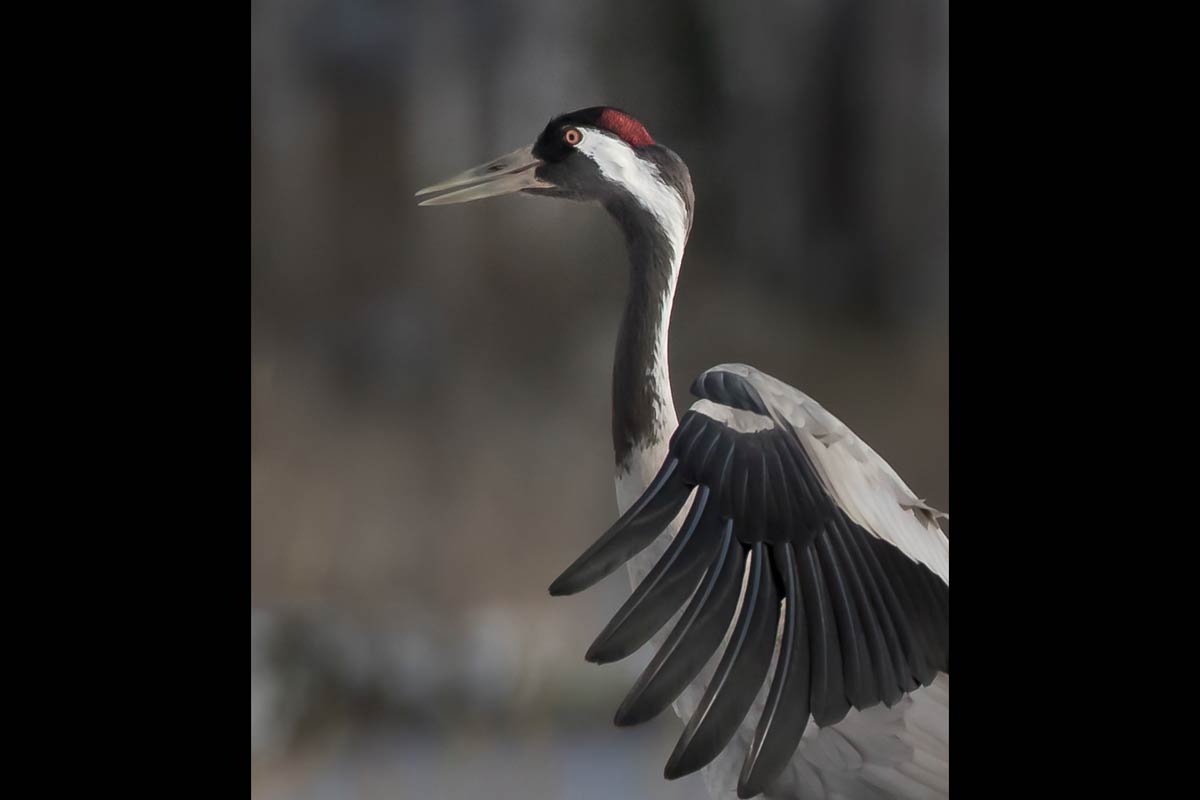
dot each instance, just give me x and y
(572, 137)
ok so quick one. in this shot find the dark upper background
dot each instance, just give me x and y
(430, 386)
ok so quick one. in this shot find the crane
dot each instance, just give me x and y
(808, 586)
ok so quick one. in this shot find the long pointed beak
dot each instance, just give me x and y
(504, 175)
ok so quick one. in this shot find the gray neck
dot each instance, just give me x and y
(643, 409)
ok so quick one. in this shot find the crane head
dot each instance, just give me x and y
(595, 154)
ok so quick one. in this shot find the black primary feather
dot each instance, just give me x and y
(785, 714)
(739, 676)
(693, 640)
(667, 586)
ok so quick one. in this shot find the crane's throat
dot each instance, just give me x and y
(643, 407)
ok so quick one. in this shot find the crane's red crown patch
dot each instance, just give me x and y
(629, 129)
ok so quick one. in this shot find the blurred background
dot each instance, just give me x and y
(430, 387)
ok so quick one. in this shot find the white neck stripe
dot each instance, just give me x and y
(618, 163)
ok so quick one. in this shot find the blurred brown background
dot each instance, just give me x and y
(430, 387)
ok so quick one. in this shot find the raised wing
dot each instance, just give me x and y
(804, 539)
